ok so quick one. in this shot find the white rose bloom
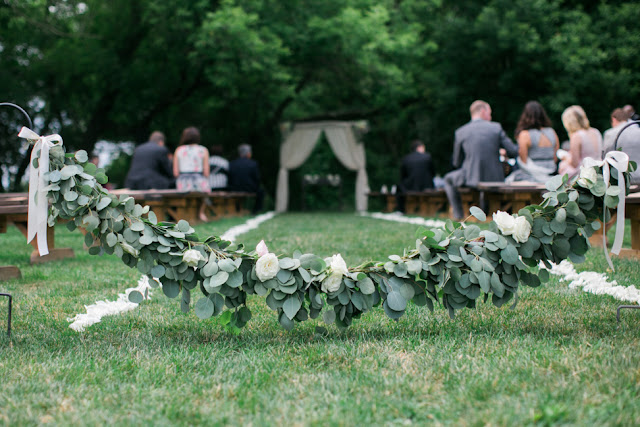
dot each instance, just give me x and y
(338, 265)
(192, 257)
(588, 176)
(505, 222)
(267, 267)
(262, 249)
(338, 269)
(128, 248)
(522, 229)
(332, 283)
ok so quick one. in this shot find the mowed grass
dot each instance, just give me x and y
(558, 358)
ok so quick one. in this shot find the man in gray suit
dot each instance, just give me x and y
(476, 154)
(150, 165)
(628, 142)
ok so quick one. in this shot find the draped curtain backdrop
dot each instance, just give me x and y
(299, 144)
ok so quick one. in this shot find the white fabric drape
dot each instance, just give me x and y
(299, 144)
(351, 154)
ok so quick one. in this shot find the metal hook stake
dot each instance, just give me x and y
(8, 104)
(620, 307)
(9, 316)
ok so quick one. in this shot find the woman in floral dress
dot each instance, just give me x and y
(191, 165)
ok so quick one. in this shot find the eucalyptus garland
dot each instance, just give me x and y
(452, 266)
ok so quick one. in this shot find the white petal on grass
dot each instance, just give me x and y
(595, 283)
(95, 312)
(396, 217)
(251, 224)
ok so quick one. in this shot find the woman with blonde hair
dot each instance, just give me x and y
(584, 141)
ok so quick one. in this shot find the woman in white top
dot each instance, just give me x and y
(584, 141)
(191, 165)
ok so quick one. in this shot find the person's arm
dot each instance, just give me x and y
(556, 146)
(458, 154)
(176, 171)
(166, 167)
(524, 141)
(205, 161)
(507, 144)
(575, 149)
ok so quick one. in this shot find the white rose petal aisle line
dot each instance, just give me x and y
(98, 310)
(595, 283)
(451, 266)
(395, 217)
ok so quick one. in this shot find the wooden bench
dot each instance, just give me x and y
(510, 197)
(427, 203)
(174, 205)
(14, 210)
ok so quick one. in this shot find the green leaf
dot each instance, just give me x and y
(304, 274)
(158, 271)
(286, 323)
(329, 316)
(225, 318)
(509, 254)
(227, 265)
(182, 226)
(554, 183)
(366, 286)
(112, 240)
(613, 191)
(396, 301)
(286, 263)
(135, 297)
(244, 314)
(543, 274)
(235, 279)
(291, 306)
(400, 269)
(219, 278)
(81, 156)
(478, 213)
(171, 288)
(204, 308)
(137, 226)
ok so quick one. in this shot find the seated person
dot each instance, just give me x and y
(584, 141)
(150, 165)
(628, 142)
(244, 176)
(476, 155)
(218, 169)
(537, 146)
(416, 172)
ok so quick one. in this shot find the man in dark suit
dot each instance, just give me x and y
(476, 154)
(416, 172)
(244, 175)
(150, 165)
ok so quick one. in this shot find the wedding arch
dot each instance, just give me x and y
(299, 142)
(454, 266)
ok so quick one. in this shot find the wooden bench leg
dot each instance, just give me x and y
(54, 253)
(634, 252)
(9, 272)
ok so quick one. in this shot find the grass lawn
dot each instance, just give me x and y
(558, 358)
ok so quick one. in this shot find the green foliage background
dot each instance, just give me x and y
(116, 70)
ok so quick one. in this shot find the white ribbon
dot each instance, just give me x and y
(620, 161)
(38, 204)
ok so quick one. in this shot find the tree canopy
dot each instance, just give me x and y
(117, 70)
